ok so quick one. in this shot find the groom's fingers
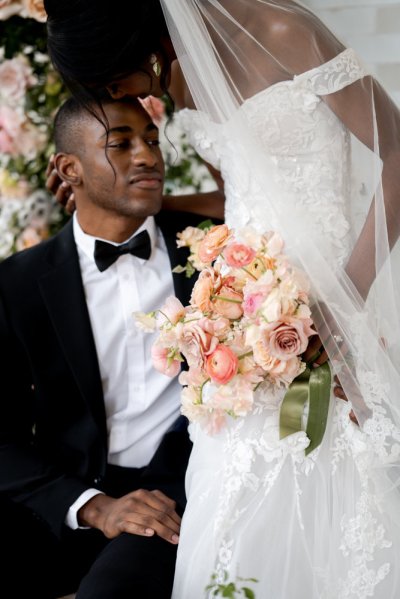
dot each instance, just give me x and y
(146, 513)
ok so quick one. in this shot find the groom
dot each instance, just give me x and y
(92, 447)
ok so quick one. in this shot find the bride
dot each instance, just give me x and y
(308, 144)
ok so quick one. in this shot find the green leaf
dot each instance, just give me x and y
(206, 224)
(179, 269)
(248, 593)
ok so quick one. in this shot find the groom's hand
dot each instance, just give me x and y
(141, 512)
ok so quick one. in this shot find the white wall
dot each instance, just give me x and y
(372, 28)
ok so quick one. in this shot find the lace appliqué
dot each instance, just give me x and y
(335, 74)
(362, 538)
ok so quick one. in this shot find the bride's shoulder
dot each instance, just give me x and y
(296, 37)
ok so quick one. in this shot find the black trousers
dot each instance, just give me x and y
(39, 565)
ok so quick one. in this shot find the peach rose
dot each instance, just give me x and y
(164, 362)
(238, 255)
(222, 365)
(228, 303)
(283, 371)
(278, 305)
(204, 289)
(213, 243)
(289, 338)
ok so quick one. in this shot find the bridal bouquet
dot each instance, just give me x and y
(248, 323)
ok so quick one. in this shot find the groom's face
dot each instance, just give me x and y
(122, 173)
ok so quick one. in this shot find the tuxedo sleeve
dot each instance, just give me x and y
(27, 474)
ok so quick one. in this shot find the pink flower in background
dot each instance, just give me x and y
(29, 237)
(222, 365)
(15, 78)
(155, 108)
(238, 255)
(252, 303)
(34, 9)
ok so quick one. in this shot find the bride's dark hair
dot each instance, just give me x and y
(91, 42)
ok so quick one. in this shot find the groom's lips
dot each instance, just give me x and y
(147, 181)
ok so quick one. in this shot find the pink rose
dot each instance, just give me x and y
(287, 339)
(238, 255)
(228, 303)
(155, 108)
(163, 361)
(222, 365)
(213, 243)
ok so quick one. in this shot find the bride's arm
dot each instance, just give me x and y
(209, 203)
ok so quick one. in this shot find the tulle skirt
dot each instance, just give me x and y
(304, 527)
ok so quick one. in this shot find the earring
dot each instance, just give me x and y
(155, 64)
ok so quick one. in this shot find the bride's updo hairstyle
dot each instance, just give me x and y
(92, 42)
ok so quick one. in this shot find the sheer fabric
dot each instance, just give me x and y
(309, 145)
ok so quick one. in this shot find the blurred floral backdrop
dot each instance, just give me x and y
(30, 93)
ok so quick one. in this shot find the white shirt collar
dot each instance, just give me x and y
(86, 242)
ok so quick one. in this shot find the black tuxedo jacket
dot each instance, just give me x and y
(53, 438)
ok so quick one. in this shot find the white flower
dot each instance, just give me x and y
(145, 322)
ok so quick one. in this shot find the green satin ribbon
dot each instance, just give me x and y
(312, 386)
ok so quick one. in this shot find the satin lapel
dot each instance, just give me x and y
(63, 294)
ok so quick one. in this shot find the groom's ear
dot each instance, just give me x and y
(69, 168)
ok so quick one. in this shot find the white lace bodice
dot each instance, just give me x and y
(308, 146)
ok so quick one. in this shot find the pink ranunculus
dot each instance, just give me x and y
(163, 362)
(196, 344)
(228, 303)
(238, 255)
(213, 243)
(222, 365)
(172, 310)
(287, 339)
(155, 109)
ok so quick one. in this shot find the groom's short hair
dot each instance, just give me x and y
(68, 129)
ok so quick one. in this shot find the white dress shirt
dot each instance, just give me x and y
(141, 404)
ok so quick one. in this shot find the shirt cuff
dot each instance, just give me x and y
(71, 519)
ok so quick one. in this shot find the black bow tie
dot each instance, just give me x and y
(106, 254)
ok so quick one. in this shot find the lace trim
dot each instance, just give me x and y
(334, 75)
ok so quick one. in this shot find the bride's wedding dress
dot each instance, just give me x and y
(305, 527)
